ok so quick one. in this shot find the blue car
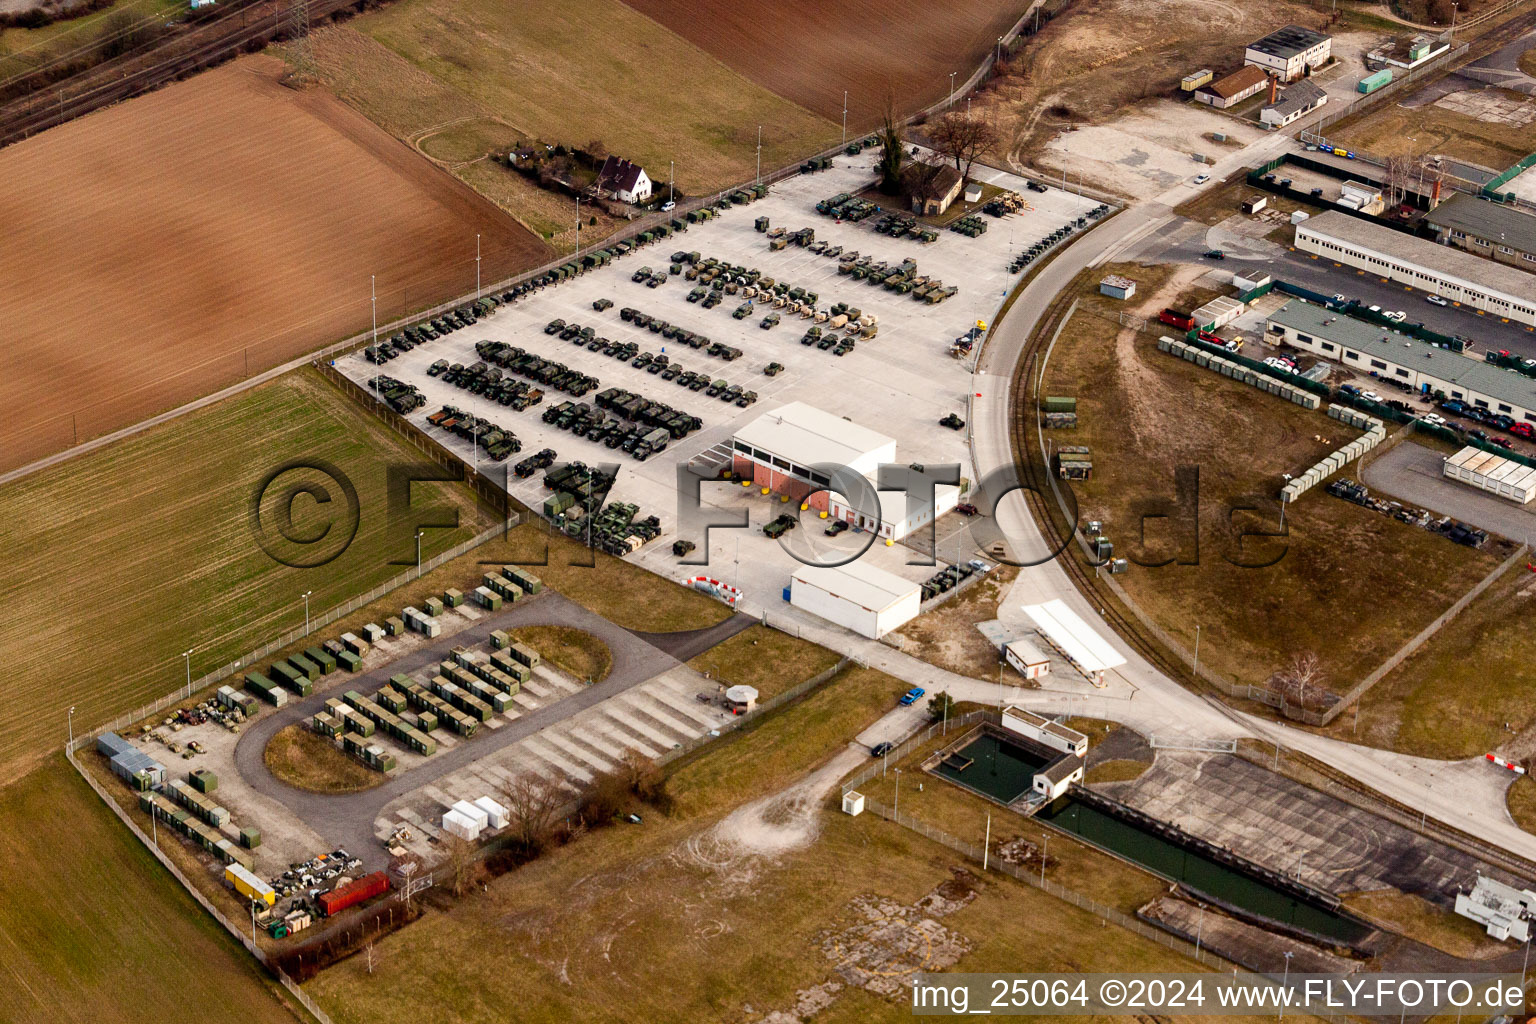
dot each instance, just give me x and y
(912, 696)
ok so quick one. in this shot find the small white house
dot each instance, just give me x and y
(1054, 779)
(627, 181)
(1504, 910)
(1026, 659)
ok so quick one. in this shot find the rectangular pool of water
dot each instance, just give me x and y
(997, 768)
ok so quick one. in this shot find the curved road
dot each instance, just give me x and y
(1467, 795)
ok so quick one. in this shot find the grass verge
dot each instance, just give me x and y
(306, 760)
(1521, 799)
(575, 652)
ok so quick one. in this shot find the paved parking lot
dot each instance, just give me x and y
(900, 383)
(1414, 474)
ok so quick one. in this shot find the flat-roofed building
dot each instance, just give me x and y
(1078, 642)
(1408, 259)
(1487, 229)
(1368, 348)
(1289, 52)
(857, 596)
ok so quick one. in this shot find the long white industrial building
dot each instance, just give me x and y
(1408, 259)
(857, 596)
(1077, 641)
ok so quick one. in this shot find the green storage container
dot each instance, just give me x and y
(309, 669)
(426, 721)
(453, 598)
(349, 661)
(203, 780)
(394, 625)
(250, 837)
(499, 639)
(322, 658)
(434, 606)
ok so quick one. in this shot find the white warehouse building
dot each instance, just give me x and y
(1408, 259)
(857, 596)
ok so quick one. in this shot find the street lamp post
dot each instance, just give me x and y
(845, 117)
(952, 88)
(671, 177)
(1197, 653)
(1286, 980)
(187, 657)
(1044, 853)
(898, 796)
(477, 267)
(305, 596)
(759, 154)
(71, 726)
(419, 535)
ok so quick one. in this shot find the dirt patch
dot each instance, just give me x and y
(1420, 920)
(947, 635)
(304, 759)
(1491, 128)
(210, 230)
(575, 652)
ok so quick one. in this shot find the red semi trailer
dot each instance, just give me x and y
(365, 888)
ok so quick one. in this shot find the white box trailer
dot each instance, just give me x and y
(461, 825)
(496, 815)
(475, 814)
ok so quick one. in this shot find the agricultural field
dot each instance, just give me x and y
(1346, 583)
(582, 933)
(455, 81)
(94, 929)
(124, 558)
(165, 248)
(877, 50)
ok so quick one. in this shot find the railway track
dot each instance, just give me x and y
(1034, 474)
(112, 82)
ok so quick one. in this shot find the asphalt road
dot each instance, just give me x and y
(1414, 474)
(347, 819)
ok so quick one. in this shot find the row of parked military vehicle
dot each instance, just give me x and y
(431, 330)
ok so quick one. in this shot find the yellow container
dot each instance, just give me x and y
(823, 515)
(765, 490)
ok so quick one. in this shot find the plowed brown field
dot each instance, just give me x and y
(164, 248)
(809, 51)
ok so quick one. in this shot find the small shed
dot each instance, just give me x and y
(1026, 659)
(740, 699)
(853, 803)
(1254, 204)
(973, 192)
(1117, 287)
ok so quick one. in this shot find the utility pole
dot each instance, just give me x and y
(71, 728)
(477, 267)
(1045, 852)
(1197, 653)
(952, 88)
(986, 844)
(845, 118)
(671, 178)
(759, 154)
(419, 534)
(898, 796)
(1285, 982)
(305, 596)
(187, 657)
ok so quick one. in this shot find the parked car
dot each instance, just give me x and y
(979, 565)
(836, 528)
(1395, 315)
(1502, 442)
(1370, 396)
(1201, 179)
(1435, 418)
(965, 508)
(1524, 430)
(1452, 406)
(668, 206)
(880, 749)
(1477, 435)
(1436, 300)
(1348, 389)
(1214, 254)
(912, 696)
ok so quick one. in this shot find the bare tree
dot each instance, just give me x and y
(532, 806)
(641, 775)
(461, 862)
(369, 956)
(963, 138)
(1301, 683)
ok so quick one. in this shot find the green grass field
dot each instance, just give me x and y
(124, 558)
(765, 659)
(92, 928)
